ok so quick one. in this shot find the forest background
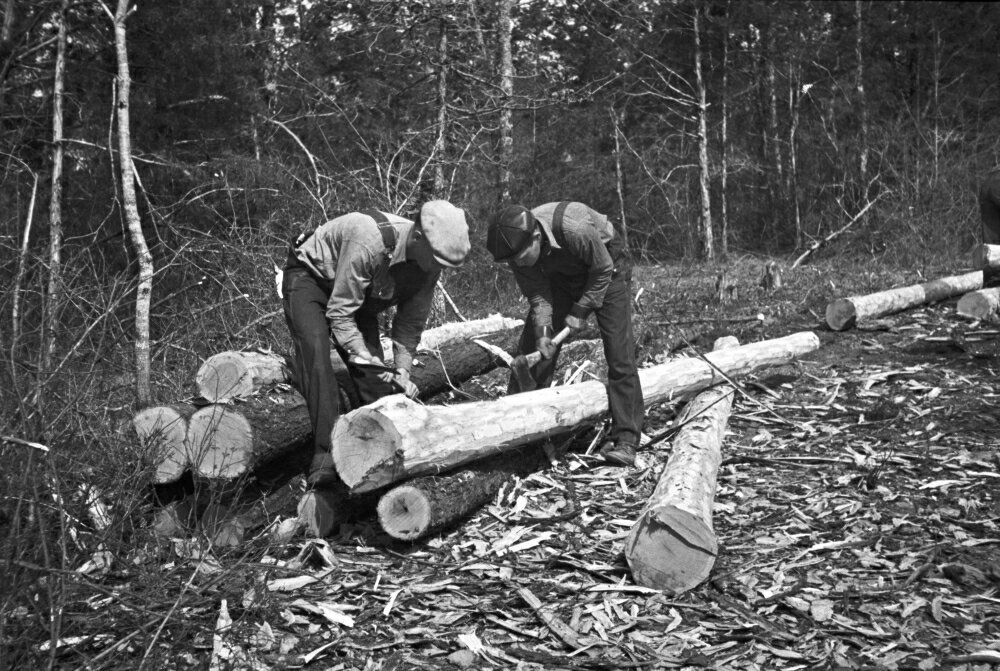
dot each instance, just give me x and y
(712, 131)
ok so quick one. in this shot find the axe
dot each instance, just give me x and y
(521, 364)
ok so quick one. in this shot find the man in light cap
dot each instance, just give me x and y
(336, 281)
(569, 262)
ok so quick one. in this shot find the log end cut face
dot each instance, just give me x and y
(223, 376)
(220, 441)
(841, 314)
(163, 431)
(671, 550)
(364, 442)
(406, 514)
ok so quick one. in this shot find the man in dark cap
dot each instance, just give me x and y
(989, 207)
(569, 262)
(336, 281)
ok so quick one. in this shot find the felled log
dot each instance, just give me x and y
(434, 338)
(226, 442)
(419, 506)
(981, 304)
(672, 545)
(163, 430)
(986, 256)
(396, 438)
(229, 375)
(844, 313)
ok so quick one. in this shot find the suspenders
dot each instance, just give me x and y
(557, 220)
(385, 228)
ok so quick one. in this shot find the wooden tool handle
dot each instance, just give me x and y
(536, 356)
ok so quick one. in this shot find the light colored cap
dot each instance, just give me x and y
(446, 232)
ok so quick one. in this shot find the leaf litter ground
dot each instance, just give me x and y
(856, 511)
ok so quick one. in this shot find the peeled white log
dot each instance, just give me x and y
(986, 256)
(395, 438)
(844, 313)
(672, 546)
(434, 338)
(229, 375)
(981, 304)
(163, 430)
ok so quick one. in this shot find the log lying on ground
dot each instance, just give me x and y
(844, 313)
(163, 429)
(395, 438)
(230, 375)
(981, 304)
(441, 335)
(419, 506)
(227, 442)
(672, 546)
(986, 256)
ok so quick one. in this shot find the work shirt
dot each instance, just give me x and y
(580, 262)
(349, 254)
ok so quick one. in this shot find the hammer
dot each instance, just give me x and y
(521, 364)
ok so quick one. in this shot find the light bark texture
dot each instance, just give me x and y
(981, 304)
(144, 288)
(704, 169)
(986, 256)
(434, 338)
(163, 430)
(844, 313)
(672, 546)
(230, 375)
(396, 438)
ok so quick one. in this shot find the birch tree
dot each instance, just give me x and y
(144, 289)
(705, 230)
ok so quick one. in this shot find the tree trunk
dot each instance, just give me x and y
(144, 289)
(986, 256)
(53, 296)
(844, 313)
(436, 337)
(705, 231)
(507, 92)
(229, 375)
(724, 142)
(440, 144)
(162, 429)
(983, 304)
(672, 546)
(395, 438)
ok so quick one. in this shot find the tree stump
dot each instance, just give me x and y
(983, 304)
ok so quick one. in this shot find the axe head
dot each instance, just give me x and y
(518, 365)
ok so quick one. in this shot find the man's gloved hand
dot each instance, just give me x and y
(545, 347)
(575, 323)
(402, 378)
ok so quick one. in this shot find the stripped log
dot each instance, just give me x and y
(163, 429)
(396, 438)
(230, 375)
(434, 338)
(844, 313)
(986, 256)
(672, 546)
(982, 304)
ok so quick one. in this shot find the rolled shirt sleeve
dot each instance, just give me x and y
(410, 320)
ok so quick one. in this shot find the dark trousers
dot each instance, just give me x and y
(304, 301)
(614, 319)
(989, 208)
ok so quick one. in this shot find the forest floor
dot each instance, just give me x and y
(857, 514)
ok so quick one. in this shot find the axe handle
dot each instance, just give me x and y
(536, 356)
